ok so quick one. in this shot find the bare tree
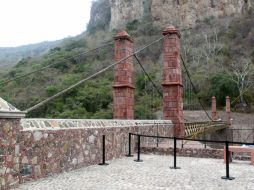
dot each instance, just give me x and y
(240, 73)
(211, 47)
(203, 49)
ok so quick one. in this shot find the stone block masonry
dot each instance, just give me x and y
(46, 151)
(172, 80)
(10, 131)
(228, 111)
(37, 148)
(9, 152)
(214, 109)
(123, 93)
(186, 152)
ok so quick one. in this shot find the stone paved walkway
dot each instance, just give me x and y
(153, 173)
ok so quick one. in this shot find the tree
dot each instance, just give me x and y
(221, 86)
(240, 73)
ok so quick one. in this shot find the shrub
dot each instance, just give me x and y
(133, 25)
(222, 86)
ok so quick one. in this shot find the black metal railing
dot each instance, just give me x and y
(226, 143)
(103, 163)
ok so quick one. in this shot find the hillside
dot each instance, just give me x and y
(213, 49)
(9, 56)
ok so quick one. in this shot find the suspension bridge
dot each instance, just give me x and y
(173, 87)
(35, 148)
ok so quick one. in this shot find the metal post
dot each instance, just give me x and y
(205, 144)
(129, 154)
(157, 139)
(227, 177)
(103, 152)
(175, 155)
(226, 134)
(138, 159)
(253, 135)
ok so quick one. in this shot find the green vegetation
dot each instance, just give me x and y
(220, 87)
(212, 51)
(10, 56)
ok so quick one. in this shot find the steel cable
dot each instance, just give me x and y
(91, 76)
(48, 66)
(194, 88)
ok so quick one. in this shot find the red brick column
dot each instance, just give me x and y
(228, 110)
(123, 93)
(172, 80)
(214, 109)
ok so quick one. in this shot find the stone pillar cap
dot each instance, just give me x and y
(170, 29)
(123, 35)
(9, 111)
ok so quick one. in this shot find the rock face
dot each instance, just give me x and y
(100, 15)
(183, 13)
(123, 11)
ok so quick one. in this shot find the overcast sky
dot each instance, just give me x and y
(31, 21)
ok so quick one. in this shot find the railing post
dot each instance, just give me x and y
(174, 167)
(227, 177)
(103, 152)
(157, 139)
(253, 135)
(138, 159)
(129, 154)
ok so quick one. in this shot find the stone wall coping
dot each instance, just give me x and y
(12, 114)
(7, 110)
(65, 124)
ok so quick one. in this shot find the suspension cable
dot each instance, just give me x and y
(148, 76)
(48, 66)
(194, 88)
(91, 76)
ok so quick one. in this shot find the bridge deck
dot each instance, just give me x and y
(196, 129)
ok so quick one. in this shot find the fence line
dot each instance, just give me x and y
(226, 143)
(196, 140)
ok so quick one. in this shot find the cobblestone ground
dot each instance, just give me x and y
(153, 173)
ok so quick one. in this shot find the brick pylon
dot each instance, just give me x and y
(172, 80)
(123, 93)
(228, 110)
(214, 109)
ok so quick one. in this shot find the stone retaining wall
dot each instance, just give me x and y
(186, 152)
(9, 152)
(194, 152)
(42, 147)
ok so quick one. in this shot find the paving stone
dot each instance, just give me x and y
(152, 173)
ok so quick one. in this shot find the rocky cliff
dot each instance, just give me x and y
(123, 11)
(99, 15)
(183, 13)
